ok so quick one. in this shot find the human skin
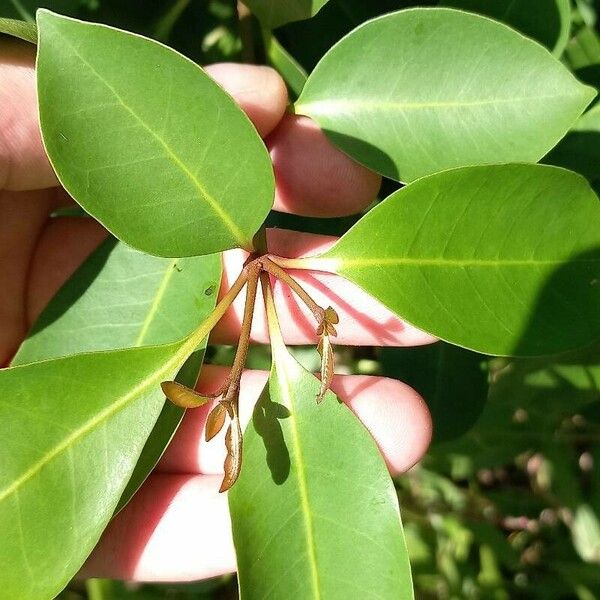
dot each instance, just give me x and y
(177, 527)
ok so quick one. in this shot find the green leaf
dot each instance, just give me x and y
(314, 512)
(72, 429)
(273, 13)
(501, 259)
(418, 91)
(19, 29)
(452, 381)
(121, 298)
(547, 21)
(149, 144)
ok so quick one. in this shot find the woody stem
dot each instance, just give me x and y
(253, 271)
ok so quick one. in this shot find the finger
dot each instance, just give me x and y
(259, 90)
(23, 161)
(314, 178)
(176, 528)
(23, 216)
(363, 320)
(395, 415)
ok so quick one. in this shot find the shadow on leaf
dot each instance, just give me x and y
(265, 419)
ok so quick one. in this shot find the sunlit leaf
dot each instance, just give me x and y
(500, 259)
(422, 90)
(72, 429)
(150, 146)
(122, 298)
(315, 513)
(584, 49)
(585, 530)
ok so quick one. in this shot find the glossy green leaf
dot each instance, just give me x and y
(314, 512)
(547, 21)
(121, 298)
(20, 29)
(422, 90)
(452, 380)
(72, 429)
(500, 259)
(150, 146)
(273, 13)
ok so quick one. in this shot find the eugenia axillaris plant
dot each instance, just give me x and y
(481, 247)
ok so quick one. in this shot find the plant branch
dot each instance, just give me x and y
(242, 350)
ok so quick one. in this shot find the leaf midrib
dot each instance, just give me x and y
(158, 297)
(170, 153)
(353, 104)
(302, 486)
(452, 262)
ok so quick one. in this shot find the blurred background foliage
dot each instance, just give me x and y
(507, 502)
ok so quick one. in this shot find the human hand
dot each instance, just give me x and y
(177, 526)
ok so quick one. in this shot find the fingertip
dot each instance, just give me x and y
(259, 90)
(313, 177)
(24, 164)
(176, 528)
(395, 415)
